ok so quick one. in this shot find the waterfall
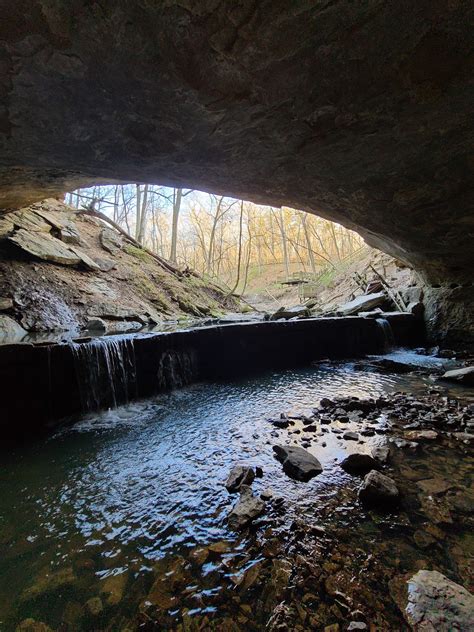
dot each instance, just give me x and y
(386, 334)
(105, 371)
(176, 369)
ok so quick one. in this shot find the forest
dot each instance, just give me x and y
(222, 238)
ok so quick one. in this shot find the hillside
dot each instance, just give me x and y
(60, 270)
(334, 286)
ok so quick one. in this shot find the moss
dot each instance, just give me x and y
(138, 253)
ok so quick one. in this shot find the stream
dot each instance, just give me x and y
(92, 517)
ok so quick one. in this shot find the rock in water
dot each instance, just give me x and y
(378, 489)
(297, 462)
(437, 604)
(297, 311)
(246, 509)
(359, 463)
(381, 453)
(238, 476)
(10, 330)
(464, 376)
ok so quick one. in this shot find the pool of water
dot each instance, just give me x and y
(98, 508)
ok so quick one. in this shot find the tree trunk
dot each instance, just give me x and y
(177, 196)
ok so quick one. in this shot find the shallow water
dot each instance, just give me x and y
(116, 492)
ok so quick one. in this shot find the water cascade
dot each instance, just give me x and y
(106, 372)
(176, 369)
(386, 334)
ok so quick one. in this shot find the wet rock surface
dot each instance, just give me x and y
(298, 462)
(247, 508)
(437, 604)
(378, 490)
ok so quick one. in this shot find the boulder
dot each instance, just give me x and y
(117, 312)
(30, 221)
(246, 509)
(297, 311)
(6, 227)
(96, 324)
(106, 264)
(5, 303)
(45, 247)
(238, 476)
(85, 259)
(110, 241)
(350, 436)
(437, 604)
(363, 303)
(378, 489)
(381, 453)
(464, 376)
(359, 463)
(70, 235)
(297, 462)
(10, 329)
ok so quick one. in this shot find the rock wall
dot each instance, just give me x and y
(360, 112)
(60, 270)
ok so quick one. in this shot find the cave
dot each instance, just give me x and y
(363, 115)
(127, 449)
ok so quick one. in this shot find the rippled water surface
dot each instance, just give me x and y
(118, 491)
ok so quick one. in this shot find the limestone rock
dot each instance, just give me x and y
(117, 312)
(350, 436)
(381, 453)
(297, 311)
(362, 303)
(297, 462)
(378, 489)
(437, 604)
(106, 264)
(247, 508)
(30, 221)
(464, 376)
(111, 241)
(6, 227)
(70, 235)
(359, 463)
(96, 324)
(239, 475)
(123, 326)
(45, 247)
(10, 329)
(5, 303)
(85, 259)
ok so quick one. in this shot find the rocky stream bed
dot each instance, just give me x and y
(332, 498)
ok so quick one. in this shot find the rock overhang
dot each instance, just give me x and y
(359, 113)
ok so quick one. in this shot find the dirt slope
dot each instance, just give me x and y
(101, 277)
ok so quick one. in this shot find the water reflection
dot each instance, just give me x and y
(122, 489)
